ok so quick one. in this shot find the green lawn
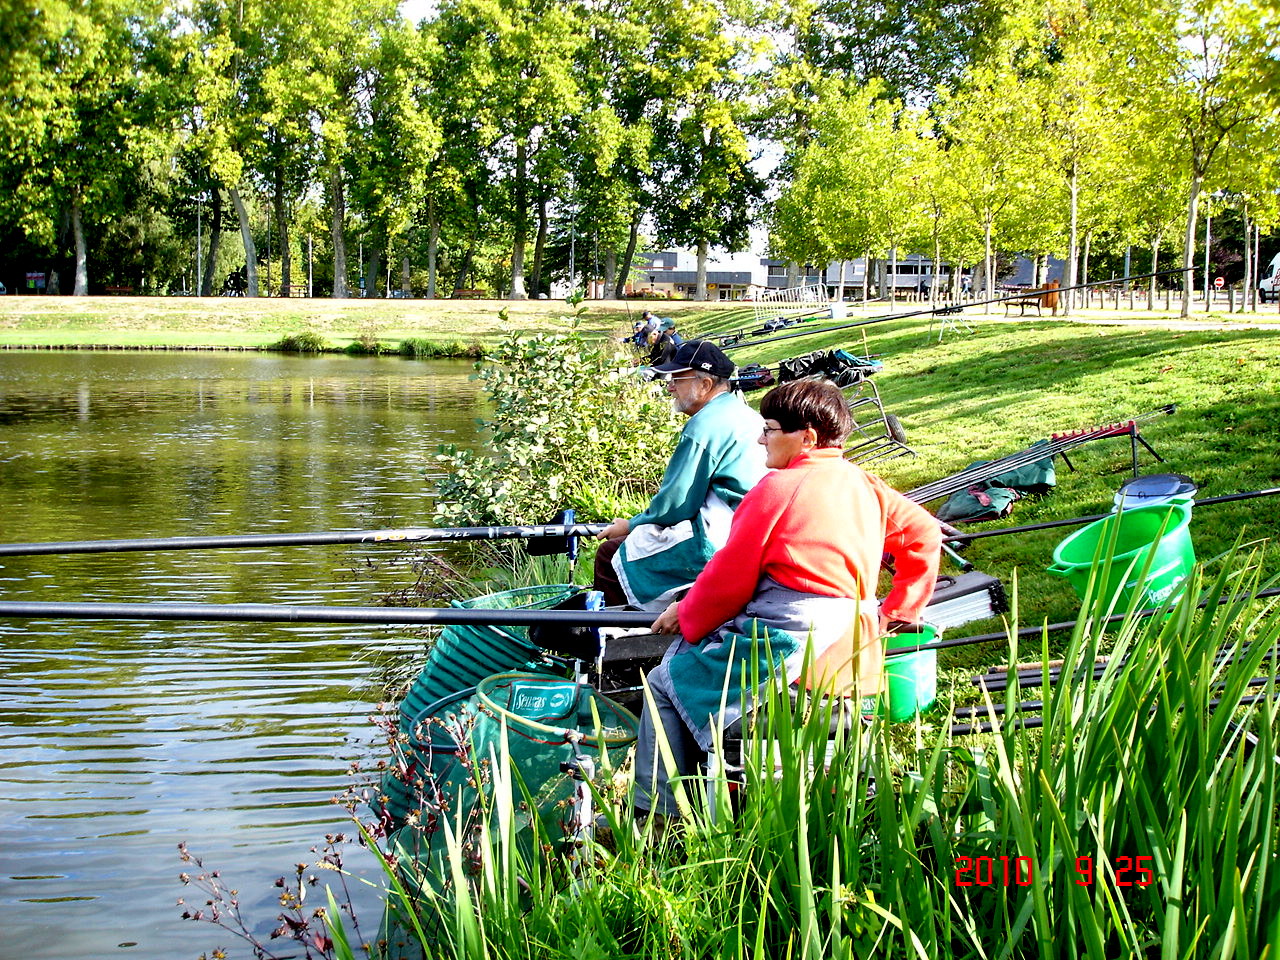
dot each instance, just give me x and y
(1008, 384)
(221, 322)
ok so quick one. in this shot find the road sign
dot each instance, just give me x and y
(1218, 282)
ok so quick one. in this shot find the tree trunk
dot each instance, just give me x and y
(215, 240)
(82, 257)
(633, 237)
(793, 273)
(1189, 247)
(840, 284)
(1248, 256)
(1155, 258)
(539, 248)
(893, 278)
(988, 283)
(1084, 266)
(701, 292)
(246, 236)
(610, 269)
(1253, 291)
(375, 271)
(433, 248)
(934, 274)
(866, 276)
(464, 270)
(282, 230)
(1073, 244)
(406, 277)
(337, 223)
(521, 223)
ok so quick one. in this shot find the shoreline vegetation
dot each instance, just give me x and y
(444, 328)
(1142, 814)
(1134, 816)
(423, 328)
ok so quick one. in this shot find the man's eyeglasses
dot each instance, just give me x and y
(768, 430)
(692, 376)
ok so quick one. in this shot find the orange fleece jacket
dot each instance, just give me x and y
(819, 526)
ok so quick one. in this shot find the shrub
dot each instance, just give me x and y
(305, 341)
(421, 348)
(573, 423)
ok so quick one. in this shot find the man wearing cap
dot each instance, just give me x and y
(648, 560)
(664, 345)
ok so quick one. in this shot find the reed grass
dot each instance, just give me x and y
(1170, 755)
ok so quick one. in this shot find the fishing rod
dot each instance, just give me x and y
(425, 616)
(285, 613)
(953, 309)
(728, 337)
(1070, 624)
(401, 535)
(1022, 722)
(1077, 521)
(1059, 443)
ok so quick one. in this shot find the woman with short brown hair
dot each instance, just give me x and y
(800, 567)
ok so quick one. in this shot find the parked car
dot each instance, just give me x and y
(1269, 282)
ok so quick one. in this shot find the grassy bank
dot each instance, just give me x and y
(1141, 813)
(242, 324)
(995, 391)
(236, 323)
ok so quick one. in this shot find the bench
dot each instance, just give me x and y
(125, 290)
(295, 290)
(469, 295)
(1023, 306)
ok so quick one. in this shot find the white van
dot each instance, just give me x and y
(1269, 281)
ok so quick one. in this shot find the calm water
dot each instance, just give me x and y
(118, 740)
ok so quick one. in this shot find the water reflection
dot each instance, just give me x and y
(118, 740)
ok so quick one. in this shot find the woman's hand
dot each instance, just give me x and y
(619, 528)
(668, 621)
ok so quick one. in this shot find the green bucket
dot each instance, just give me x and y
(911, 679)
(1138, 538)
(463, 655)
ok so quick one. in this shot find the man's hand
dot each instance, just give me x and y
(619, 528)
(668, 621)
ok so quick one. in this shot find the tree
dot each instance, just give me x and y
(859, 178)
(1198, 65)
(911, 47)
(514, 61)
(988, 129)
(703, 184)
(398, 136)
(79, 118)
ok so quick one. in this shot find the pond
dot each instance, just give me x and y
(118, 740)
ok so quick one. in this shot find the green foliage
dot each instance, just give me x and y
(569, 419)
(1153, 758)
(422, 348)
(366, 343)
(305, 341)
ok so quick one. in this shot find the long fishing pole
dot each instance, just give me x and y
(422, 616)
(953, 308)
(401, 535)
(284, 613)
(1077, 521)
(1022, 722)
(1068, 624)
(1059, 443)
